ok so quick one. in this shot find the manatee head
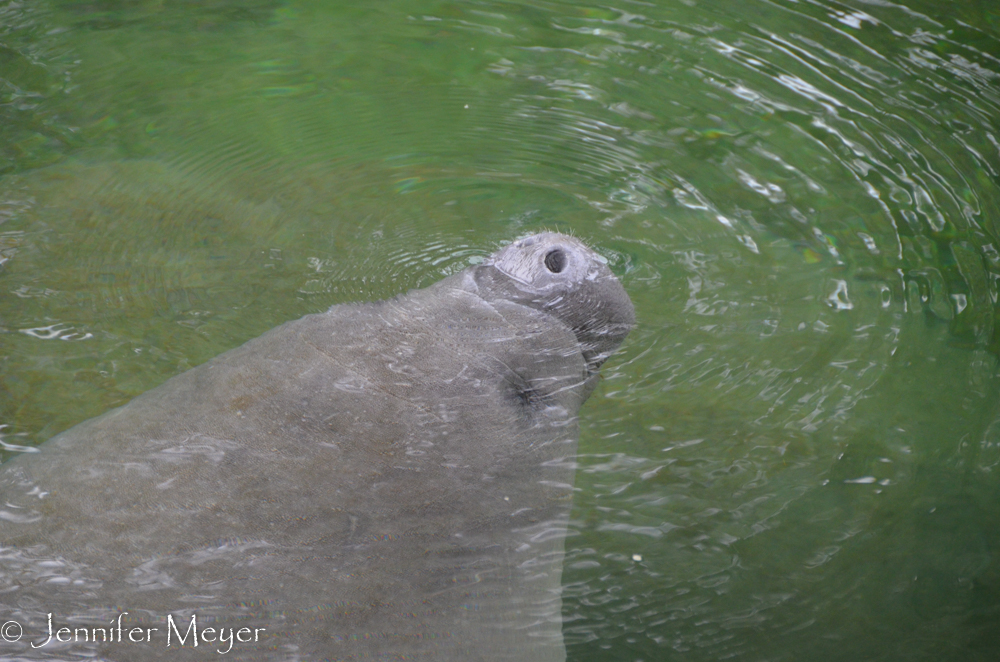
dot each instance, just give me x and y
(559, 275)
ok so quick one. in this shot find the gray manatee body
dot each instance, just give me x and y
(386, 480)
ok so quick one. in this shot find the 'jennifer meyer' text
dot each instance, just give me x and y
(188, 633)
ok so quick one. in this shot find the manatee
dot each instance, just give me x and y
(387, 480)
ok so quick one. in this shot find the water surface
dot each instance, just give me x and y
(794, 457)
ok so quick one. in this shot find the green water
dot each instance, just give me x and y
(795, 456)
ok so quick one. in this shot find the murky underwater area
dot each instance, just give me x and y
(795, 456)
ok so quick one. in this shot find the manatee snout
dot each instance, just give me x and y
(560, 275)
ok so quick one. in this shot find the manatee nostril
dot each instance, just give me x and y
(555, 261)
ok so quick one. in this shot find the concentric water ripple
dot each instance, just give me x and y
(795, 455)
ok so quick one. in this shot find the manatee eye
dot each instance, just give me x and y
(555, 261)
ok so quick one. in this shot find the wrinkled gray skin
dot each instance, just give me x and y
(385, 480)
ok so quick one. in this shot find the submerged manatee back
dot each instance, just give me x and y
(388, 480)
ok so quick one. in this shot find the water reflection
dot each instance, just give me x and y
(800, 441)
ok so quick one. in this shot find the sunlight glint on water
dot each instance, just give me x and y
(796, 454)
